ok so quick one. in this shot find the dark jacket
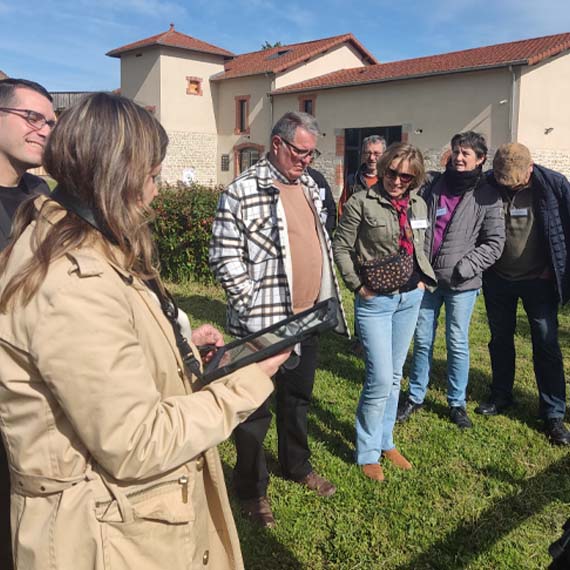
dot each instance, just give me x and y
(328, 214)
(354, 183)
(552, 211)
(474, 238)
(30, 185)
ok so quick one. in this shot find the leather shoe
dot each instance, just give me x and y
(459, 417)
(406, 409)
(492, 408)
(319, 484)
(556, 431)
(373, 471)
(258, 511)
(397, 459)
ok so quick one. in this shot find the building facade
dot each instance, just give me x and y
(218, 107)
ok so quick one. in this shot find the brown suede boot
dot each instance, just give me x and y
(373, 471)
(397, 459)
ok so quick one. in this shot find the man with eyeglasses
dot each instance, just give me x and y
(533, 267)
(270, 253)
(366, 176)
(26, 119)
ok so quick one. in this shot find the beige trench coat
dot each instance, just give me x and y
(111, 446)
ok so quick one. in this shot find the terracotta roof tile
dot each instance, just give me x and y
(524, 52)
(172, 38)
(278, 59)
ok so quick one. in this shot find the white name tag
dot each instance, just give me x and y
(441, 212)
(519, 212)
(419, 224)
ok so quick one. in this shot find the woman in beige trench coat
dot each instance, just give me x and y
(111, 444)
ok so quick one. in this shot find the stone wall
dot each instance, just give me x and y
(196, 151)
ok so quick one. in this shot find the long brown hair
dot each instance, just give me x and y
(101, 151)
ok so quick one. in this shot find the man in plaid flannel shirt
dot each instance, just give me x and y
(272, 256)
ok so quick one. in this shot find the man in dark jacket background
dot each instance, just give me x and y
(26, 119)
(534, 267)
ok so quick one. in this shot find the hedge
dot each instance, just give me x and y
(182, 228)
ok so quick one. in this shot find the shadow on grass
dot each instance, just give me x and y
(471, 539)
(260, 548)
(202, 308)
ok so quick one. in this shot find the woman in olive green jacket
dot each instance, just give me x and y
(378, 224)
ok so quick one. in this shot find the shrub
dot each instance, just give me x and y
(182, 229)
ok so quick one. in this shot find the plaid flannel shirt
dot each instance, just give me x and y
(250, 253)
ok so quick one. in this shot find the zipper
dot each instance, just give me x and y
(183, 481)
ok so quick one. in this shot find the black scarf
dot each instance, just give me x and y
(459, 182)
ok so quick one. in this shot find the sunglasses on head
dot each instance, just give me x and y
(403, 176)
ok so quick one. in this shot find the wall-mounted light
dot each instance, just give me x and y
(418, 131)
(503, 101)
(548, 130)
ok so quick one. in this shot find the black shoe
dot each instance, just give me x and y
(459, 417)
(556, 431)
(492, 407)
(406, 409)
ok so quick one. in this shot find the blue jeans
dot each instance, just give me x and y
(386, 324)
(541, 306)
(458, 310)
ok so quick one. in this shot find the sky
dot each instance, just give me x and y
(62, 43)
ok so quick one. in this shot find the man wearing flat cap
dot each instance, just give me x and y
(535, 268)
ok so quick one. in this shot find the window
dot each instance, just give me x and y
(307, 104)
(242, 115)
(193, 86)
(247, 158)
(225, 162)
(245, 155)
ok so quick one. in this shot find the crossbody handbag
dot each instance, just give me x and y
(387, 274)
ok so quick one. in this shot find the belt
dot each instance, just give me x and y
(40, 485)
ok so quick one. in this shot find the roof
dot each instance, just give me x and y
(172, 38)
(523, 52)
(281, 58)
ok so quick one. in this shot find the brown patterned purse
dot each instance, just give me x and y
(385, 275)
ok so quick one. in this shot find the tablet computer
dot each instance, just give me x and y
(270, 341)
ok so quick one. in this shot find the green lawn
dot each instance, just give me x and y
(489, 498)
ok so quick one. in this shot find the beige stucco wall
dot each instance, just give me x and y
(180, 111)
(438, 106)
(140, 78)
(341, 57)
(545, 104)
(260, 119)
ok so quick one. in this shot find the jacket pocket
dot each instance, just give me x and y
(161, 534)
(262, 237)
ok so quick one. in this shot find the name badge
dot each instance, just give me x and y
(419, 224)
(519, 212)
(441, 212)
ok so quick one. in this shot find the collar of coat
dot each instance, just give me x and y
(265, 172)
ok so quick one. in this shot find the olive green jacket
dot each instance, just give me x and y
(369, 229)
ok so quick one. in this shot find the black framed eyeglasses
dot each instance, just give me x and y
(33, 118)
(403, 176)
(302, 153)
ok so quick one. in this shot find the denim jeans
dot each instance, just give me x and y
(458, 310)
(541, 306)
(386, 324)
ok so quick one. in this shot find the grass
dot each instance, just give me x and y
(489, 498)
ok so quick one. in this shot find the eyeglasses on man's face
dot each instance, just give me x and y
(373, 153)
(302, 153)
(33, 118)
(403, 176)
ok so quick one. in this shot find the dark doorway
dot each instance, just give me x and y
(353, 141)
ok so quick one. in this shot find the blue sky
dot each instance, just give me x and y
(62, 43)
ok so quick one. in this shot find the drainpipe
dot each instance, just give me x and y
(512, 109)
